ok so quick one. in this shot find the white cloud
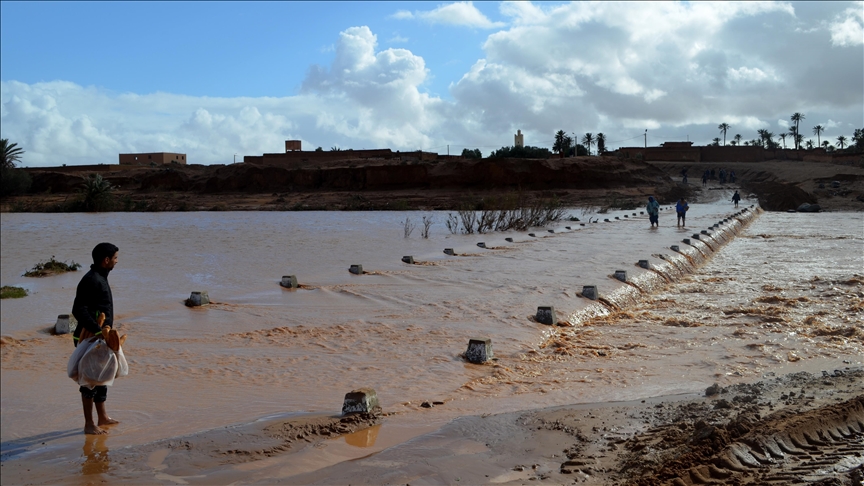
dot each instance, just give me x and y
(523, 13)
(462, 14)
(847, 29)
(611, 68)
(750, 75)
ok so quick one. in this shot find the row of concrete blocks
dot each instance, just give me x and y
(546, 314)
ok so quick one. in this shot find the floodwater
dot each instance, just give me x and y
(783, 296)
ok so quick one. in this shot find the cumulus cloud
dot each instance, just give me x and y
(676, 69)
(847, 29)
(462, 14)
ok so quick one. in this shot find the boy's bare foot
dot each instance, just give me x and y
(108, 421)
(94, 430)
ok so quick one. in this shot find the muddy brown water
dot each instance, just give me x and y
(785, 295)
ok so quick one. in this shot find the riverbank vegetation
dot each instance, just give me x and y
(9, 292)
(504, 213)
(51, 267)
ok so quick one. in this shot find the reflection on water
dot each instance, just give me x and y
(401, 328)
(363, 438)
(96, 460)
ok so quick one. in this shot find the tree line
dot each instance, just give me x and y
(766, 138)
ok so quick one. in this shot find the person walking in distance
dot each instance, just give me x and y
(681, 208)
(94, 310)
(735, 198)
(653, 209)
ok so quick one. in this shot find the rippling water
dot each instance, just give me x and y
(788, 292)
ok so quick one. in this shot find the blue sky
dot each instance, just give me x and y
(81, 82)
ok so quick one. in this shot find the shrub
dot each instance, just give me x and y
(7, 292)
(52, 266)
(14, 181)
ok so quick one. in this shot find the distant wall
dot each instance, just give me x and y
(731, 153)
(158, 158)
(310, 159)
(72, 169)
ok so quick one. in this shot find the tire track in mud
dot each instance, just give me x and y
(826, 440)
(804, 431)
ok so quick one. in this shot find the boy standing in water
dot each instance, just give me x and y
(653, 209)
(735, 198)
(94, 310)
(681, 208)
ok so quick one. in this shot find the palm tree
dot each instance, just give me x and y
(96, 193)
(841, 141)
(11, 153)
(562, 143)
(783, 137)
(762, 133)
(737, 138)
(601, 144)
(797, 117)
(716, 141)
(809, 144)
(589, 140)
(825, 144)
(723, 127)
(817, 130)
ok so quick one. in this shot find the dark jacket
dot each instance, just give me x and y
(93, 295)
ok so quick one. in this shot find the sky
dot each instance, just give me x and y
(81, 82)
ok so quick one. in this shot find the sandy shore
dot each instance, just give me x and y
(800, 428)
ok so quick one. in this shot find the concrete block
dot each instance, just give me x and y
(481, 244)
(546, 315)
(704, 232)
(567, 227)
(675, 248)
(408, 259)
(449, 251)
(606, 220)
(356, 269)
(289, 281)
(479, 350)
(532, 235)
(65, 324)
(686, 241)
(643, 263)
(551, 231)
(363, 400)
(695, 236)
(198, 299)
(621, 275)
(590, 292)
(508, 239)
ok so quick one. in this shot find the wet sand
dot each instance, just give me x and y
(727, 322)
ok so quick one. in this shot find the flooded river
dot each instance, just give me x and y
(785, 295)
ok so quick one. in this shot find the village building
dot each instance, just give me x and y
(153, 158)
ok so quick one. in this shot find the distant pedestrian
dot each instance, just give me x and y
(653, 209)
(681, 208)
(735, 198)
(712, 173)
(684, 176)
(705, 179)
(732, 177)
(722, 175)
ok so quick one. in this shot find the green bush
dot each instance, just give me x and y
(7, 292)
(51, 267)
(14, 181)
